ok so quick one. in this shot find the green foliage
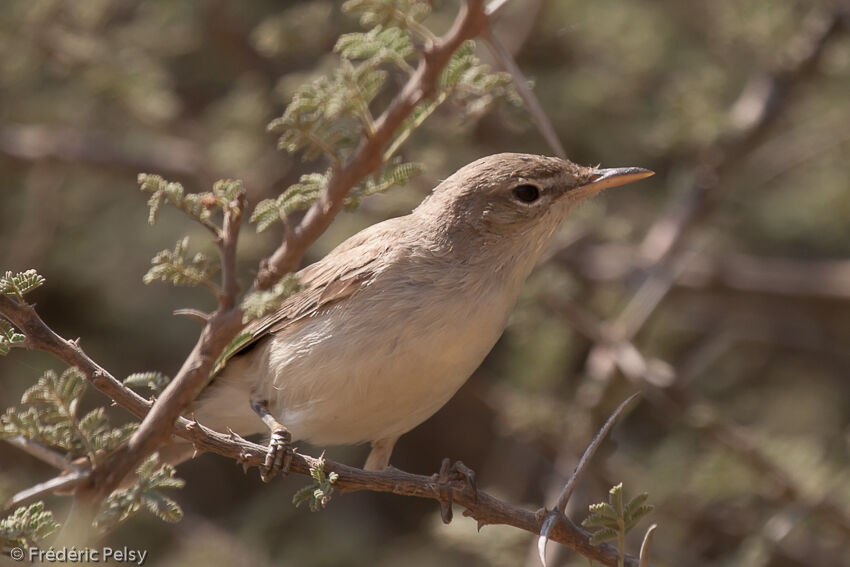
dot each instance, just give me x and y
(378, 45)
(394, 173)
(261, 302)
(404, 14)
(174, 266)
(310, 187)
(331, 114)
(298, 196)
(9, 337)
(20, 283)
(235, 345)
(51, 418)
(25, 526)
(614, 519)
(325, 116)
(318, 494)
(472, 84)
(199, 206)
(154, 381)
(143, 495)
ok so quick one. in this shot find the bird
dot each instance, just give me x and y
(393, 321)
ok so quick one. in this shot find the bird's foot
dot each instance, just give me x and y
(278, 455)
(450, 472)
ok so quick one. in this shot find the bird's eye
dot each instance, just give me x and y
(526, 193)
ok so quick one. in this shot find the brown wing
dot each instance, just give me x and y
(351, 266)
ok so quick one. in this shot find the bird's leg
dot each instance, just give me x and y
(279, 454)
(448, 472)
(379, 456)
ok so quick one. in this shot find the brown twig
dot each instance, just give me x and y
(560, 508)
(470, 22)
(571, 483)
(222, 325)
(541, 119)
(41, 452)
(484, 508)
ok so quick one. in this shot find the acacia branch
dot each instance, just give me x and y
(225, 322)
(470, 22)
(483, 507)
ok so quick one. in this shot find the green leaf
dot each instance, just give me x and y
(298, 196)
(162, 507)
(143, 495)
(318, 494)
(200, 206)
(378, 45)
(602, 535)
(614, 519)
(260, 303)
(154, 381)
(9, 337)
(175, 267)
(401, 13)
(20, 283)
(25, 526)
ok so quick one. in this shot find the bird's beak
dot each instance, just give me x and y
(607, 178)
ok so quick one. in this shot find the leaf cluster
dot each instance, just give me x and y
(199, 206)
(403, 14)
(311, 185)
(25, 526)
(176, 267)
(143, 495)
(318, 494)
(51, 418)
(154, 381)
(9, 337)
(329, 116)
(20, 283)
(262, 302)
(613, 518)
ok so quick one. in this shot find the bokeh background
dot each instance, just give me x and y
(741, 318)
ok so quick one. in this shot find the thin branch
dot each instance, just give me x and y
(506, 61)
(495, 7)
(484, 508)
(41, 452)
(470, 22)
(646, 546)
(564, 498)
(227, 242)
(63, 483)
(194, 314)
(560, 508)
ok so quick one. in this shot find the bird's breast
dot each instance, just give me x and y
(384, 361)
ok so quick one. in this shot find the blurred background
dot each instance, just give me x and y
(720, 287)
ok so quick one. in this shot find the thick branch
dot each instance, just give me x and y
(470, 22)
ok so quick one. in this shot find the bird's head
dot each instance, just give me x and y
(518, 196)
